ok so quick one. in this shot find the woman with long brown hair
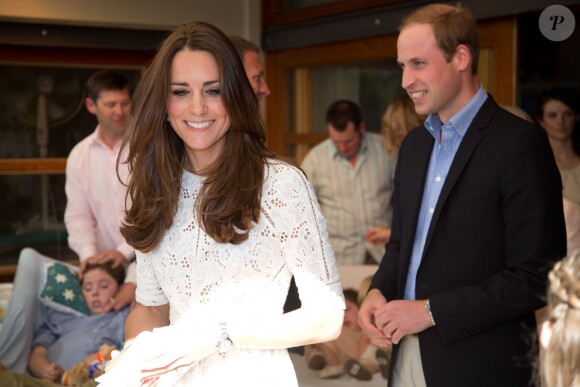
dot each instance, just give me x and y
(220, 226)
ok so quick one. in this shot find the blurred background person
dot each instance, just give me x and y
(399, 118)
(571, 209)
(557, 112)
(64, 335)
(250, 54)
(350, 174)
(95, 195)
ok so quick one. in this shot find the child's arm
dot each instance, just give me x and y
(40, 367)
(363, 344)
(90, 359)
(103, 355)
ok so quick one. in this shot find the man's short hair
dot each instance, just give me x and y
(452, 26)
(341, 112)
(105, 80)
(243, 45)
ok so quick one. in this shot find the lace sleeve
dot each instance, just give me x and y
(149, 292)
(295, 213)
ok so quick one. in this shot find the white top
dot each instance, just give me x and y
(353, 199)
(190, 270)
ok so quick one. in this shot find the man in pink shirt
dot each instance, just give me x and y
(95, 196)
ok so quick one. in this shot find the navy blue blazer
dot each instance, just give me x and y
(497, 229)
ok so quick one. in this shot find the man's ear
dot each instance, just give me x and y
(90, 105)
(546, 334)
(540, 122)
(362, 127)
(462, 58)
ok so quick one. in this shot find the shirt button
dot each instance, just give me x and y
(431, 210)
(438, 179)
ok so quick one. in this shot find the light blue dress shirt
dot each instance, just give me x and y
(451, 134)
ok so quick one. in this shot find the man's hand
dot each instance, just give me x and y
(402, 317)
(378, 235)
(104, 256)
(125, 296)
(366, 318)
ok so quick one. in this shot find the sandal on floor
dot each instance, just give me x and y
(384, 359)
(315, 360)
(356, 370)
(331, 372)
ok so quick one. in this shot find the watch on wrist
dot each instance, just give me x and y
(428, 307)
(225, 343)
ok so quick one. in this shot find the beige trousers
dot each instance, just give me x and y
(408, 371)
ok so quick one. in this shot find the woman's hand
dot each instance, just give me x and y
(172, 349)
(180, 346)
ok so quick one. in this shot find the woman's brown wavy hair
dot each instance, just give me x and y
(229, 200)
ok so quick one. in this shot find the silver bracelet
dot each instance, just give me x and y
(428, 307)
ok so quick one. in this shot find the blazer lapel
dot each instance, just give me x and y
(468, 145)
(415, 176)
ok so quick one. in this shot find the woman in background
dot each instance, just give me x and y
(557, 112)
(399, 118)
(220, 226)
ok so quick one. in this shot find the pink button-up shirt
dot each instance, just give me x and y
(95, 199)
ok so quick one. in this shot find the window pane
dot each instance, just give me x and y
(35, 97)
(32, 209)
(372, 86)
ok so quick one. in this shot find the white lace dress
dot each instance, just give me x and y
(190, 270)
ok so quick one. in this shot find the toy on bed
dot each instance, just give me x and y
(83, 371)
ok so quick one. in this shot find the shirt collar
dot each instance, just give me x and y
(461, 121)
(363, 148)
(98, 139)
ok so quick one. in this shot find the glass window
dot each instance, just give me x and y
(42, 111)
(42, 117)
(372, 85)
(32, 209)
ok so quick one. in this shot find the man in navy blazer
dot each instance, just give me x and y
(477, 222)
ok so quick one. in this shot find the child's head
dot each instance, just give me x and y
(363, 289)
(351, 312)
(100, 284)
(353, 299)
(560, 336)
